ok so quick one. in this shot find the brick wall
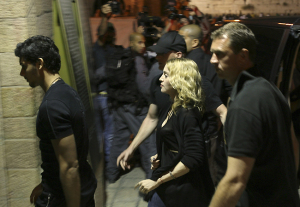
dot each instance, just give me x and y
(19, 153)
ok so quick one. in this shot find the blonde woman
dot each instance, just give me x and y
(181, 174)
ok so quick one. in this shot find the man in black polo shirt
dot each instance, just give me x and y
(258, 138)
(67, 178)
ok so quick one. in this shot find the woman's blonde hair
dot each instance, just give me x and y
(185, 78)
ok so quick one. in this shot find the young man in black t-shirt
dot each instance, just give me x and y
(262, 153)
(67, 178)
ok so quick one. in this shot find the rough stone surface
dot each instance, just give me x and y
(18, 102)
(15, 128)
(38, 97)
(10, 70)
(21, 182)
(24, 202)
(31, 21)
(12, 31)
(43, 6)
(21, 154)
(44, 23)
(2, 173)
(3, 202)
(10, 10)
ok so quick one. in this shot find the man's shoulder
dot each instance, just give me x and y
(197, 54)
(61, 92)
(257, 94)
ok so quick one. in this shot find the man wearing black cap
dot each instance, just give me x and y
(171, 45)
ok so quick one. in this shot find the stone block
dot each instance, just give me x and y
(44, 25)
(2, 173)
(3, 202)
(43, 6)
(24, 202)
(10, 70)
(12, 31)
(1, 131)
(18, 102)
(38, 97)
(31, 22)
(21, 154)
(21, 182)
(10, 10)
(16, 128)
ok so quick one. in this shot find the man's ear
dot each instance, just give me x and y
(40, 63)
(195, 43)
(131, 44)
(179, 55)
(244, 53)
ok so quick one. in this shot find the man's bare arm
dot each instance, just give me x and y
(148, 126)
(221, 112)
(66, 153)
(234, 182)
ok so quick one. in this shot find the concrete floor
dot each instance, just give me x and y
(122, 193)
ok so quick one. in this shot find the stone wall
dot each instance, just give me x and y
(235, 6)
(19, 153)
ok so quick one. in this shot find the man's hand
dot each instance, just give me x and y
(36, 192)
(140, 29)
(106, 9)
(154, 163)
(147, 185)
(124, 157)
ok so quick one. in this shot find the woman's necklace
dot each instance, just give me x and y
(170, 114)
(167, 118)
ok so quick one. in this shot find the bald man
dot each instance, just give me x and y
(128, 117)
(192, 35)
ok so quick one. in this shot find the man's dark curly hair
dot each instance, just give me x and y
(40, 47)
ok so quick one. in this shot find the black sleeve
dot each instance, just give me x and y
(56, 119)
(244, 133)
(193, 142)
(212, 100)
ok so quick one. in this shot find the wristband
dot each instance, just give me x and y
(172, 175)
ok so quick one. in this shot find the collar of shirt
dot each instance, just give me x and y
(241, 80)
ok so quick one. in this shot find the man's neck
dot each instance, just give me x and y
(49, 80)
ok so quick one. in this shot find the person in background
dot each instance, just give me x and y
(192, 35)
(128, 115)
(103, 47)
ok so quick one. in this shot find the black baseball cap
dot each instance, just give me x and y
(171, 41)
